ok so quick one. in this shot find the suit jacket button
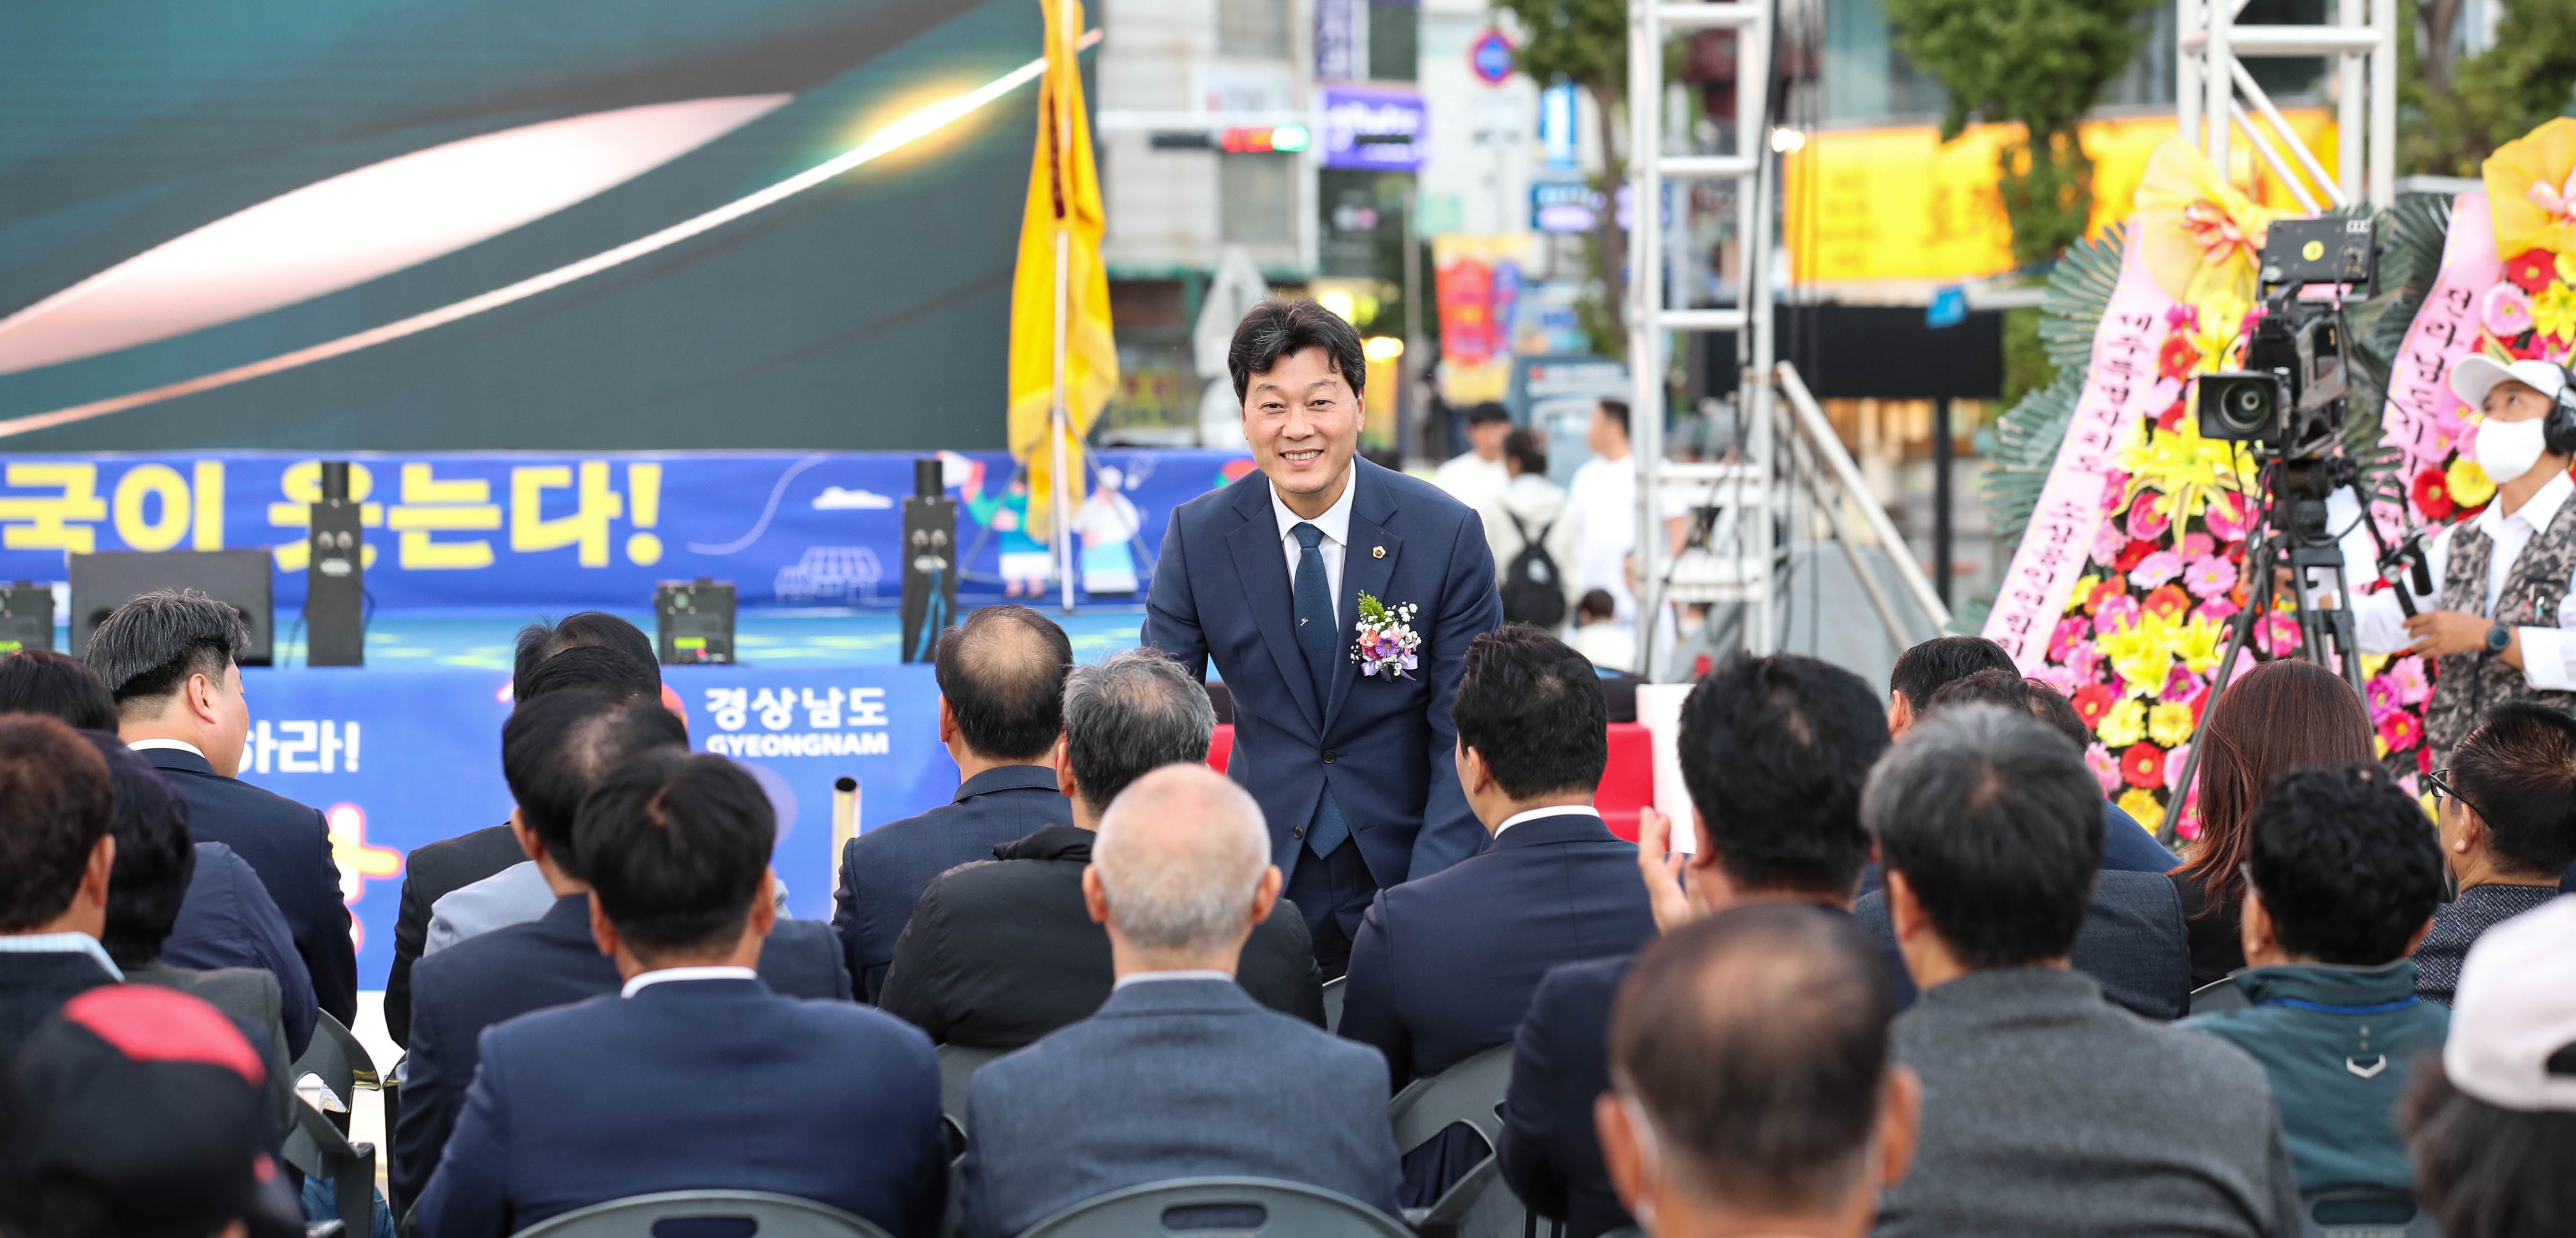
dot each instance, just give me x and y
(1328, 756)
(1299, 832)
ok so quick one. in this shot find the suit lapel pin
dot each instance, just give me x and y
(1377, 552)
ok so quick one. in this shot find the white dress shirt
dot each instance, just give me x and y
(645, 980)
(2546, 652)
(62, 943)
(146, 745)
(1139, 977)
(1336, 524)
(1561, 810)
(1472, 479)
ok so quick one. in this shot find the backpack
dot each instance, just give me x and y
(1532, 590)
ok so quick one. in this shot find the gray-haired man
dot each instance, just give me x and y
(1180, 1074)
(999, 954)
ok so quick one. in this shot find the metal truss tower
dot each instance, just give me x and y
(2213, 91)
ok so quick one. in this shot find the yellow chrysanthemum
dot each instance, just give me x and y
(2553, 312)
(2169, 723)
(2199, 642)
(2182, 465)
(2142, 653)
(2141, 804)
(2083, 589)
(2468, 482)
(2126, 724)
(2221, 323)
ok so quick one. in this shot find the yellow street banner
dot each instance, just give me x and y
(1062, 223)
(1900, 204)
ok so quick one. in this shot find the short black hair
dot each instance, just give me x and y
(598, 668)
(1921, 670)
(41, 681)
(2482, 1170)
(147, 648)
(1757, 1040)
(1617, 412)
(55, 804)
(557, 747)
(1486, 413)
(156, 856)
(1003, 671)
(2518, 769)
(1527, 448)
(538, 642)
(2347, 865)
(1597, 602)
(2010, 690)
(1276, 329)
(1997, 826)
(1130, 714)
(1533, 707)
(1774, 752)
(677, 844)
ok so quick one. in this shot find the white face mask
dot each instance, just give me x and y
(2508, 449)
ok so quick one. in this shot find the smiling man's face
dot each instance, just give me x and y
(1303, 421)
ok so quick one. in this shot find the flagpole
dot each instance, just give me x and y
(1060, 416)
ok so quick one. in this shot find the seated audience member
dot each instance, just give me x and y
(2492, 1124)
(433, 871)
(1773, 751)
(2046, 1110)
(55, 854)
(226, 918)
(694, 1076)
(1599, 636)
(1443, 967)
(1754, 1090)
(2508, 820)
(554, 749)
(1180, 1074)
(144, 889)
(1001, 707)
(2281, 717)
(137, 1113)
(2344, 881)
(168, 658)
(1001, 953)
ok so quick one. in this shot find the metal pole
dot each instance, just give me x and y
(2219, 85)
(2350, 116)
(1941, 531)
(1754, 392)
(1645, 328)
(1408, 409)
(2383, 106)
(2187, 84)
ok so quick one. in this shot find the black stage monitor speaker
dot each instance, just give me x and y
(335, 585)
(238, 578)
(26, 617)
(693, 621)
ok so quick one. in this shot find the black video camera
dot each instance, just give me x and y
(2290, 399)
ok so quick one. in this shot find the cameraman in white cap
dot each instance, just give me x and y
(2505, 582)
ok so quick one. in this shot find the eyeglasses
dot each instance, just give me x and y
(2439, 783)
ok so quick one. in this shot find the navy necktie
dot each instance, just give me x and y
(1321, 642)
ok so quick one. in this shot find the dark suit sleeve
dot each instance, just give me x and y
(802, 958)
(1532, 1109)
(411, 929)
(264, 927)
(1279, 968)
(1172, 610)
(466, 1197)
(1368, 997)
(1468, 607)
(845, 917)
(917, 980)
(331, 957)
(429, 1100)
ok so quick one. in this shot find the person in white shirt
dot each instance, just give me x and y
(1531, 509)
(1603, 499)
(1476, 477)
(2505, 582)
(1598, 634)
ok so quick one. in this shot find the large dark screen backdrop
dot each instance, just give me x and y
(869, 313)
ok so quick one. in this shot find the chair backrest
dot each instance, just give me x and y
(643, 1216)
(338, 1059)
(2217, 995)
(1218, 1208)
(2364, 1212)
(957, 1067)
(1333, 990)
(1468, 1092)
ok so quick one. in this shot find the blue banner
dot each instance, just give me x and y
(397, 759)
(561, 533)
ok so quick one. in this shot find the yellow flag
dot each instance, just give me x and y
(1063, 217)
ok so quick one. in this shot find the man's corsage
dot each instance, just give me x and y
(1386, 639)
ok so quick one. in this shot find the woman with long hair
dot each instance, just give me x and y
(2281, 717)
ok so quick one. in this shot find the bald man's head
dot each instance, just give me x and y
(1002, 672)
(1183, 857)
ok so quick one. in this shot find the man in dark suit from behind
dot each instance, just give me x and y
(554, 749)
(168, 658)
(226, 918)
(1001, 708)
(694, 1075)
(1774, 752)
(1180, 1073)
(999, 954)
(55, 856)
(440, 868)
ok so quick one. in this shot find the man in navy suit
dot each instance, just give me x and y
(1001, 706)
(1180, 1073)
(168, 659)
(554, 750)
(1264, 578)
(1774, 752)
(694, 1075)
